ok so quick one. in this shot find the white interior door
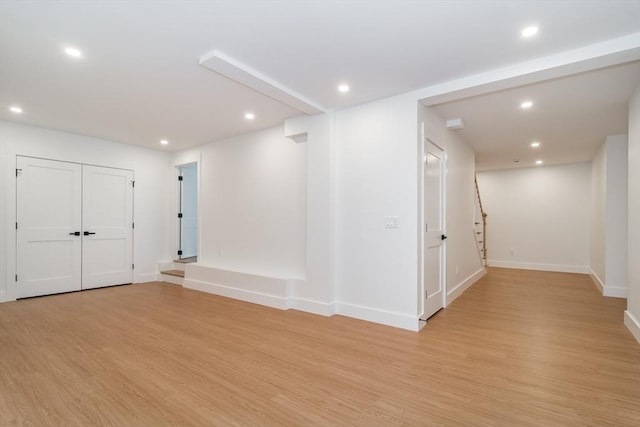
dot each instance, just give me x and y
(48, 216)
(189, 210)
(434, 229)
(107, 211)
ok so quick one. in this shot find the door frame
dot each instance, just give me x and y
(185, 159)
(421, 233)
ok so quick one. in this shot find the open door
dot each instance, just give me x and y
(188, 211)
(434, 229)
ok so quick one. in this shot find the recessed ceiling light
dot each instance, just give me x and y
(344, 88)
(164, 142)
(72, 51)
(526, 104)
(534, 144)
(249, 116)
(539, 162)
(529, 31)
(15, 109)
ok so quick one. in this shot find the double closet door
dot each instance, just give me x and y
(74, 226)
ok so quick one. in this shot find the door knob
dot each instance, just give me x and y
(443, 237)
(86, 233)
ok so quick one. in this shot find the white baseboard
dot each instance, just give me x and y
(2, 294)
(615, 292)
(311, 306)
(607, 291)
(383, 317)
(632, 324)
(596, 280)
(146, 277)
(465, 284)
(237, 293)
(540, 267)
(278, 293)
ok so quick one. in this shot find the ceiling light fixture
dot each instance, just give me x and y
(530, 31)
(164, 142)
(539, 162)
(344, 88)
(15, 109)
(249, 116)
(534, 144)
(72, 51)
(526, 104)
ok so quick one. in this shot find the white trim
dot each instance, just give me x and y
(389, 318)
(236, 293)
(145, 277)
(607, 291)
(2, 293)
(615, 292)
(596, 280)
(465, 284)
(632, 324)
(310, 306)
(540, 267)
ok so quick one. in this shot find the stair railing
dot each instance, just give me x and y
(482, 243)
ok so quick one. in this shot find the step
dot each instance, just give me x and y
(177, 273)
(175, 277)
(186, 260)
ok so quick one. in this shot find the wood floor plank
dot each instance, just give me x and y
(519, 348)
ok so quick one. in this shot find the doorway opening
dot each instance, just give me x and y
(187, 213)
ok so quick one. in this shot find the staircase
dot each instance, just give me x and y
(174, 272)
(480, 225)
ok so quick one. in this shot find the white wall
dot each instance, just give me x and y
(597, 228)
(632, 315)
(608, 230)
(151, 238)
(538, 218)
(616, 219)
(377, 176)
(464, 262)
(253, 204)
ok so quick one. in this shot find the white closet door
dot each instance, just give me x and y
(48, 214)
(107, 206)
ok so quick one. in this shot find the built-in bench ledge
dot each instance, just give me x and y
(257, 287)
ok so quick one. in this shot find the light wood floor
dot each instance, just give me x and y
(519, 348)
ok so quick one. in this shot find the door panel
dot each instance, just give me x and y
(48, 210)
(107, 208)
(434, 229)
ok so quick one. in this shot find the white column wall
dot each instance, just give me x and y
(632, 315)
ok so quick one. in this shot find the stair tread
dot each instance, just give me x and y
(186, 260)
(177, 273)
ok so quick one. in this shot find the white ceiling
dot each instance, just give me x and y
(571, 117)
(140, 79)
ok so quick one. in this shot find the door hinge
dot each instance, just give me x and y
(133, 184)
(133, 266)
(426, 295)
(179, 214)
(18, 171)
(133, 225)
(16, 225)
(16, 277)
(180, 178)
